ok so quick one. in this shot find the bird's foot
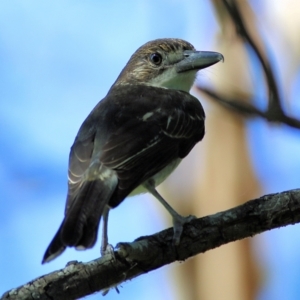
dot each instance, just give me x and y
(178, 223)
(108, 249)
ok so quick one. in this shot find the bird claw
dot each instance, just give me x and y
(107, 250)
(178, 224)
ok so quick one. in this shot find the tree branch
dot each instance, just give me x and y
(274, 106)
(151, 252)
(274, 111)
(249, 110)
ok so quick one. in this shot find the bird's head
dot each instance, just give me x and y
(168, 63)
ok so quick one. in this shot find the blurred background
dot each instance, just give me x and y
(59, 58)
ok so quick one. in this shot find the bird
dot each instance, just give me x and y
(132, 140)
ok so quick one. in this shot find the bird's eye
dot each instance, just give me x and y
(156, 58)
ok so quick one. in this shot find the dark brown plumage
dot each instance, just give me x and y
(133, 139)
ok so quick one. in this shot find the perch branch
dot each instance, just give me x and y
(148, 253)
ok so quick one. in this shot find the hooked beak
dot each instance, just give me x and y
(196, 60)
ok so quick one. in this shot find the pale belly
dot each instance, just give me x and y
(158, 178)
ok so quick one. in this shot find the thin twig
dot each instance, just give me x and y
(274, 104)
(249, 110)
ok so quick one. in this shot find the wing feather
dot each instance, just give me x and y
(153, 131)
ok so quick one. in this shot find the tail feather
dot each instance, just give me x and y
(55, 248)
(78, 213)
(82, 220)
(90, 230)
(80, 226)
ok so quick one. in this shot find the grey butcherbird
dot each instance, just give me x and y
(133, 139)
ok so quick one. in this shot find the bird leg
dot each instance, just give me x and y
(105, 248)
(178, 220)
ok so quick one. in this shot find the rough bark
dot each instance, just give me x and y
(151, 252)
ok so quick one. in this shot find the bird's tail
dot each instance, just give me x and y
(80, 226)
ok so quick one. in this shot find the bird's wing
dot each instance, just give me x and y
(80, 160)
(153, 131)
(84, 164)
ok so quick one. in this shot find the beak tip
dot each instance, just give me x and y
(221, 58)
